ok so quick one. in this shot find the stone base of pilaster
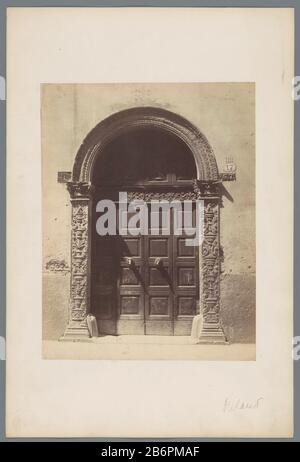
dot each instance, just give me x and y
(76, 332)
(207, 333)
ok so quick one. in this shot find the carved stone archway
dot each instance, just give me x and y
(206, 187)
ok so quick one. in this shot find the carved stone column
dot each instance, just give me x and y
(207, 327)
(80, 194)
(211, 331)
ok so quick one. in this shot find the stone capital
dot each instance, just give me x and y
(80, 190)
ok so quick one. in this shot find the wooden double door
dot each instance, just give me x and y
(144, 285)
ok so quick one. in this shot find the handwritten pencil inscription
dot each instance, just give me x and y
(232, 405)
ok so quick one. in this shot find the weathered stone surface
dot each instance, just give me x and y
(238, 307)
(56, 289)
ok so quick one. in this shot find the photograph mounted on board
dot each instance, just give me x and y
(148, 221)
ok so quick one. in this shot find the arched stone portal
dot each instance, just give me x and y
(200, 181)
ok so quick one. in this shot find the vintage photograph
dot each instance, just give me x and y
(148, 200)
(150, 223)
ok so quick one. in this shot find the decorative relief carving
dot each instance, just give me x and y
(162, 195)
(226, 176)
(200, 190)
(55, 265)
(210, 273)
(79, 189)
(64, 177)
(79, 282)
(229, 173)
(207, 188)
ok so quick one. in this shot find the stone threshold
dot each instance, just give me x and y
(145, 339)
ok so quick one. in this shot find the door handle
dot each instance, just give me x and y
(159, 263)
(130, 262)
(135, 269)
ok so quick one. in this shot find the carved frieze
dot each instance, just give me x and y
(162, 195)
(199, 190)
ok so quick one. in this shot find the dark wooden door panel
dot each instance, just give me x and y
(131, 289)
(131, 247)
(186, 275)
(184, 250)
(158, 276)
(186, 305)
(145, 284)
(158, 247)
(160, 306)
(159, 302)
(186, 282)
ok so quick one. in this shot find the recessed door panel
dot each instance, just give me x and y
(184, 250)
(130, 281)
(159, 300)
(159, 276)
(159, 305)
(158, 247)
(130, 304)
(128, 277)
(186, 306)
(131, 247)
(186, 276)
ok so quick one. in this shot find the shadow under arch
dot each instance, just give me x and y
(140, 117)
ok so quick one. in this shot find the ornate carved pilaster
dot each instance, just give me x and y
(211, 331)
(80, 259)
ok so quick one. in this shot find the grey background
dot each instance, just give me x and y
(162, 3)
